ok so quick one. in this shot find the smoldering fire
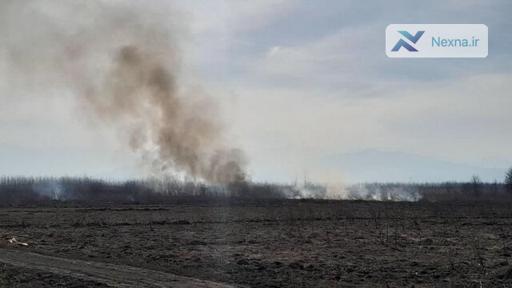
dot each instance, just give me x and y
(123, 63)
(141, 93)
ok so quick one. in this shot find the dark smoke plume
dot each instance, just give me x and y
(142, 93)
(123, 62)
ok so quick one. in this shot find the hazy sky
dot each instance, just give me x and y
(305, 89)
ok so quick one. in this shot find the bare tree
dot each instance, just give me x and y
(476, 186)
(508, 180)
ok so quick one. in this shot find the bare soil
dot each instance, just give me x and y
(274, 243)
(111, 275)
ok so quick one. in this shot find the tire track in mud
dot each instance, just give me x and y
(106, 273)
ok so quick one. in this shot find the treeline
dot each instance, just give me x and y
(432, 192)
(19, 191)
(15, 191)
(471, 191)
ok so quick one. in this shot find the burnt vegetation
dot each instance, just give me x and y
(19, 191)
(16, 191)
(280, 243)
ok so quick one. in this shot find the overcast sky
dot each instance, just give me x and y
(305, 89)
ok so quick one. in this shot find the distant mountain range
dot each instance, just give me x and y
(381, 166)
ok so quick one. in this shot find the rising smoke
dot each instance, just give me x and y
(123, 63)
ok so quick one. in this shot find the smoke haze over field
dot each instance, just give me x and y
(123, 62)
(316, 99)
